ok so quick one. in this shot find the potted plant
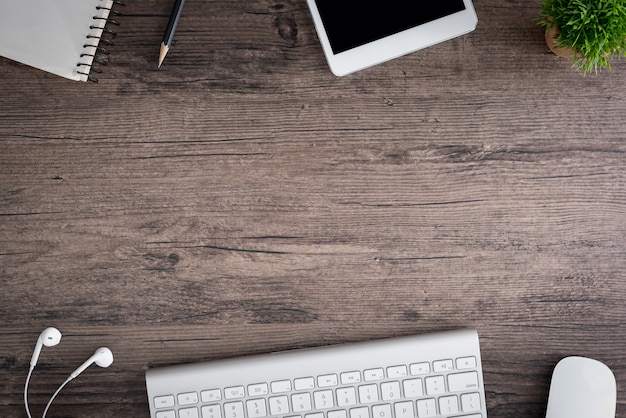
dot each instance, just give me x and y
(590, 32)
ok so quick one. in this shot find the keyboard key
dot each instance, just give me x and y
(337, 414)
(210, 395)
(419, 368)
(304, 383)
(413, 388)
(441, 366)
(166, 414)
(435, 385)
(346, 396)
(189, 398)
(350, 378)
(281, 386)
(448, 405)
(465, 363)
(279, 405)
(404, 410)
(327, 380)
(234, 410)
(316, 415)
(362, 412)
(301, 402)
(390, 391)
(470, 402)
(395, 372)
(368, 393)
(459, 382)
(382, 411)
(188, 413)
(234, 392)
(256, 408)
(371, 375)
(323, 399)
(258, 389)
(164, 401)
(211, 411)
(426, 408)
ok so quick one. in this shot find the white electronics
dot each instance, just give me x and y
(582, 388)
(432, 375)
(356, 34)
(50, 337)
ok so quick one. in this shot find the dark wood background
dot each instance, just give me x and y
(242, 199)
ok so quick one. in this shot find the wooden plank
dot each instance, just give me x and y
(242, 199)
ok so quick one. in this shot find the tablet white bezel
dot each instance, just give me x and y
(394, 46)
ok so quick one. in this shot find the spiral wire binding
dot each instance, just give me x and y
(95, 56)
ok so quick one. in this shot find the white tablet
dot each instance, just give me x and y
(358, 34)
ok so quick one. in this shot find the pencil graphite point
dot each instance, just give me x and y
(162, 53)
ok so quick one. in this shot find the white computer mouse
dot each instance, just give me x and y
(582, 388)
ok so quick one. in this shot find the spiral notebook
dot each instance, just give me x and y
(62, 37)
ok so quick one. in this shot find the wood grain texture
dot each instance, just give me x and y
(242, 199)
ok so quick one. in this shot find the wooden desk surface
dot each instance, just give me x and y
(242, 199)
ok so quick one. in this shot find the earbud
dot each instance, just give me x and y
(103, 357)
(48, 337)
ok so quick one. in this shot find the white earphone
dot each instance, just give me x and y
(50, 337)
(103, 357)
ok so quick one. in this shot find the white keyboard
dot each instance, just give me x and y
(433, 375)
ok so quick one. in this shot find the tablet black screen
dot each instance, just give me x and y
(352, 23)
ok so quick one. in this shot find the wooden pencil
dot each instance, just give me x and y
(169, 31)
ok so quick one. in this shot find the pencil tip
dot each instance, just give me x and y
(162, 53)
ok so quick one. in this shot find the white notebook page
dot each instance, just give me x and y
(51, 34)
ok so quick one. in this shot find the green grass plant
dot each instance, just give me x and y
(595, 30)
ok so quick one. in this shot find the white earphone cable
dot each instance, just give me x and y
(54, 396)
(30, 372)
